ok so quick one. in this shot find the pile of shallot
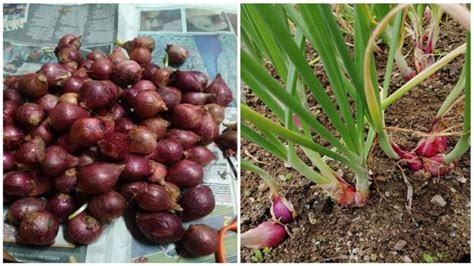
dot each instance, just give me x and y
(86, 138)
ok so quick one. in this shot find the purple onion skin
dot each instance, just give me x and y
(33, 86)
(63, 115)
(158, 125)
(136, 168)
(12, 95)
(63, 142)
(197, 202)
(61, 205)
(190, 81)
(86, 65)
(30, 115)
(86, 131)
(66, 182)
(31, 152)
(13, 136)
(200, 240)
(69, 41)
(160, 227)
(117, 56)
(43, 132)
(141, 140)
(163, 77)
(126, 73)
(187, 116)
(177, 54)
(199, 154)
(149, 70)
(101, 69)
(222, 95)
(132, 189)
(84, 229)
(114, 145)
(185, 137)
(68, 55)
(24, 206)
(98, 94)
(155, 198)
(57, 160)
(107, 207)
(56, 74)
(73, 84)
(48, 102)
(96, 54)
(143, 85)
(9, 110)
(196, 98)
(97, 178)
(148, 103)
(280, 211)
(38, 228)
(185, 174)
(171, 96)
(8, 161)
(123, 125)
(208, 129)
(42, 183)
(168, 151)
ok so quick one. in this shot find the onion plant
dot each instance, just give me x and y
(353, 105)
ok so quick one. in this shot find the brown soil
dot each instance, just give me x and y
(324, 232)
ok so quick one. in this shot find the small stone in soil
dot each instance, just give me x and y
(438, 200)
(406, 259)
(263, 187)
(400, 245)
(373, 257)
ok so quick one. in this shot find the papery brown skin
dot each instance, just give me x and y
(197, 202)
(161, 227)
(187, 116)
(185, 174)
(69, 97)
(141, 140)
(107, 207)
(97, 178)
(38, 228)
(171, 96)
(221, 94)
(217, 111)
(177, 54)
(123, 125)
(141, 41)
(24, 206)
(159, 172)
(200, 240)
(114, 145)
(84, 229)
(33, 85)
(155, 198)
(163, 77)
(117, 56)
(190, 81)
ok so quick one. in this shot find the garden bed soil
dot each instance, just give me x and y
(383, 230)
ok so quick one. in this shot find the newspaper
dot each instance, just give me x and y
(31, 32)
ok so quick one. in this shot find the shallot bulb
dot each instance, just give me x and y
(187, 116)
(136, 168)
(30, 115)
(171, 96)
(114, 145)
(101, 69)
(185, 174)
(25, 206)
(84, 229)
(38, 228)
(208, 129)
(18, 183)
(185, 137)
(8, 161)
(96, 54)
(200, 154)
(57, 160)
(196, 98)
(98, 94)
(87, 131)
(33, 85)
(200, 240)
(117, 56)
(176, 54)
(66, 182)
(160, 227)
(155, 198)
(266, 235)
(149, 70)
(191, 81)
(141, 140)
(141, 55)
(107, 206)
(158, 125)
(127, 72)
(31, 152)
(132, 189)
(13, 136)
(73, 84)
(168, 151)
(69, 41)
(197, 202)
(221, 94)
(148, 103)
(97, 178)
(47, 102)
(162, 77)
(61, 205)
(282, 210)
(55, 74)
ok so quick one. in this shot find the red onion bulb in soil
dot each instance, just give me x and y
(197, 202)
(84, 229)
(200, 240)
(160, 227)
(38, 228)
